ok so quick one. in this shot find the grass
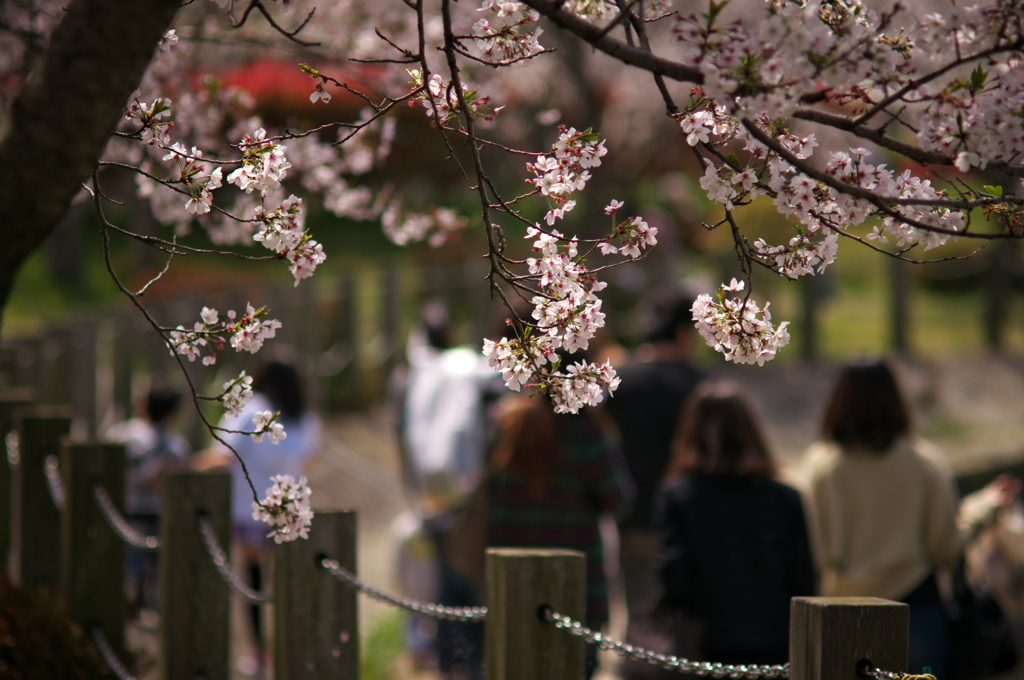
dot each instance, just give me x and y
(382, 647)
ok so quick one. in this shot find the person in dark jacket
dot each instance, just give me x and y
(736, 545)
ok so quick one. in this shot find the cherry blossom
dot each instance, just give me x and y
(285, 508)
(856, 123)
(263, 164)
(738, 328)
(210, 333)
(237, 394)
(265, 423)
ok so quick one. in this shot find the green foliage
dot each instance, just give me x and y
(382, 647)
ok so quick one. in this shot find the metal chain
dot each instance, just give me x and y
(119, 524)
(220, 560)
(107, 652)
(428, 608)
(54, 483)
(667, 661)
(867, 671)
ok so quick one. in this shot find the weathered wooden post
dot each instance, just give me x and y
(92, 568)
(811, 288)
(123, 353)
(82, 360)
(830, 637)
(11, 399)
(316, 625)
(899, 310)
(35, 529)
(194, 600)
(519, 642)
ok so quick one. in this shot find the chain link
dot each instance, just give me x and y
(667, 661)
(120, 525)
(878, 674)
(107, 652)
(51, 469)
(220, 560)
(428, 608)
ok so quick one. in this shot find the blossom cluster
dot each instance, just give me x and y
(974, 119)
(502, 35)
(282, 232)
(738, 328)
(767, 66)
(263, 164)
(197, 182)
(247, 333)
(801, 257)
(265, 423)
(532, 363)
(154, 120)
(567, 169)
(566, 315)
(237, 394)
(566, 309)
(285, 508)
(440, 98)
(262, 168)
(634, 236)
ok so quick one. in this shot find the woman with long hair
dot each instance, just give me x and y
(886, 507)
(550, 479)
(735, 546)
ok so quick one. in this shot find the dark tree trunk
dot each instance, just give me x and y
(57, 127)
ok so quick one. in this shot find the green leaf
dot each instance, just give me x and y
(714, 9)
(994, 191)
(978, 77)
(306, 68)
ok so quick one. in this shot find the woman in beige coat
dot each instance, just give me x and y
(886, 508)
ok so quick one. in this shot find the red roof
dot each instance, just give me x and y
(275, 82)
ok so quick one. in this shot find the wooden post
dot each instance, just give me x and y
(122, 365)
(899, 312)
(998, 291)
(82, 379)
(35, 527)
(812, 294)
(316, 625)
(92, 568)
(830, 636)
(56, 367)
(11, 399)
(194, 600)
(519, 643)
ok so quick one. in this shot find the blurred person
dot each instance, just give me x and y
(440, 397)
(735, 540)
(151, 447)
(655, 383)
(888, 522)
(550, 479)
(276, 387)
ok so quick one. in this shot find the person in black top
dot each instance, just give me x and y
(736, 545)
